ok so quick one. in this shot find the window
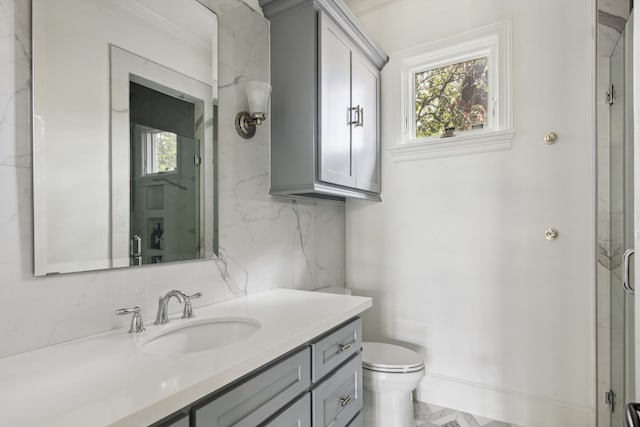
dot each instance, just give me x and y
(455, 95)
(452, 97)
(160, 151)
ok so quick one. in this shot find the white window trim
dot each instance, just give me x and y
(492, 41)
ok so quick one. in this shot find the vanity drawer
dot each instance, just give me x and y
(256, 399)
(296, 415)
(357, 421)
(180, 419)
(332, 350)
(339, 398)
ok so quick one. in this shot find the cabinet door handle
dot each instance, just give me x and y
(350, 116)
(360, 117)
(344, 347)
(344, 401)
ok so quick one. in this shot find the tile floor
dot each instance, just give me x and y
(428, 415)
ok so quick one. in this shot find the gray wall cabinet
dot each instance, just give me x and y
(325, 108)
(318, 385)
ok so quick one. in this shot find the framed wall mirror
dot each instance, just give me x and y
(125, 96)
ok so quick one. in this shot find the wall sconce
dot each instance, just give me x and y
(258, 96)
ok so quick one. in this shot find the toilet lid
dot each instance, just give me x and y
(383, 357)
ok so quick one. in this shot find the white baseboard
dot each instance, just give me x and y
(503, 405)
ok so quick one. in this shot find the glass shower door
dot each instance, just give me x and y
(621, 232)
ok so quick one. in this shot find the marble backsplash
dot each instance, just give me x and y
(265, 242)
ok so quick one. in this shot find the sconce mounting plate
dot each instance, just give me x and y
(245, 125)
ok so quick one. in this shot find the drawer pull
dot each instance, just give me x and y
(344, 347)
(344, 401)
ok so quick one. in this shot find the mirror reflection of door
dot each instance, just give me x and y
(165, 178)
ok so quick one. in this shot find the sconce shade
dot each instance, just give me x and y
(258, 96)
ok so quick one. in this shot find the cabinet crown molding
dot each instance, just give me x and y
(343, 17)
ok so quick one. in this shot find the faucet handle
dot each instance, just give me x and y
(137, 325)
(187, 313)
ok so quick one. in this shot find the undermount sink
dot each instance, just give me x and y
(199, 335)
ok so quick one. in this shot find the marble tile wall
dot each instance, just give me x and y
(265, 242)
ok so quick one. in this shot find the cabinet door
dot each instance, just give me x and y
(339, 398)
(328, 352)
(357, 421)
(297, 415)
(334, 145)
(258, 398)
(365, 134)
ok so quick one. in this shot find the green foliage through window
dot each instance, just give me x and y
(161, 151)
(452, 96)
(166, 151)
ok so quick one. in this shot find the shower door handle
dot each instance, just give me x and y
(626, 266)
(136, 250)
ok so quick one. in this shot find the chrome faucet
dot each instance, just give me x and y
(187, 312)
(137, 325)
(162, 316)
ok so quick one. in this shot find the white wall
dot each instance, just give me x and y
(455, 255)
(265, 242)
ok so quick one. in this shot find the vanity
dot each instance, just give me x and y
(318, 384)
(301, 367)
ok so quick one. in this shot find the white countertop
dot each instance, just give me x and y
(107, 379)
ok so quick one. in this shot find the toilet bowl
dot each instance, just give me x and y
(390, 373)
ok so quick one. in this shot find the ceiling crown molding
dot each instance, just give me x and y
(342, 16)
(362, 7)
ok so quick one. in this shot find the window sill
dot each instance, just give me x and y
(454, 146)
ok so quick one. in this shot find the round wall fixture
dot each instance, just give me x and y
(551, 234)
(550, 138)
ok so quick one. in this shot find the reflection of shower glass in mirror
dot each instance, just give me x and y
(165, 175)
(165, 202)
(143, 84)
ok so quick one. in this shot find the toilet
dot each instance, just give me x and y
(390, 373)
